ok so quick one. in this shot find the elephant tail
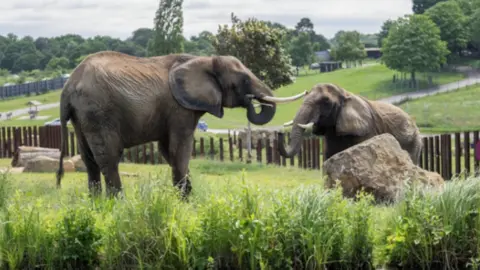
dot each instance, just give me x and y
(65, 115)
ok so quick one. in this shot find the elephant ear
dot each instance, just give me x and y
(194, 86)
(354, 118)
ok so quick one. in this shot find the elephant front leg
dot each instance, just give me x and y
(180, 151)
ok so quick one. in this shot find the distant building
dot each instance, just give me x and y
(323, 56)
(374, 53)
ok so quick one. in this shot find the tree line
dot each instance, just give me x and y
(438, 31)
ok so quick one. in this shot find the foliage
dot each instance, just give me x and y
(201, 44)
(384, 31)
(432, 231)
(474, 25)
(420, 6)
(239, 217)
(449, 17)
(259, 47)
(414, 45)
(168, 28)
(301, 50)
(349, 47)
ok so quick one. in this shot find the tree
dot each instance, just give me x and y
(167, 37)
(384, 31)
(349, 48)
(57, 63)
(475, 28)
(414, 45)
(141, 36)
(201, 44)
(259, 47)
(301, 50)
(304, 25)
(420, 6)
(449, 17)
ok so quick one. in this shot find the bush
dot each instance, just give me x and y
(235, 225)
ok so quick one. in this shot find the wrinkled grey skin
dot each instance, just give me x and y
(346, 119)
(116, 101)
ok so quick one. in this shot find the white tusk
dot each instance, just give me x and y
(285, 99)
(289, 123)
(306, 126)
(256, 105)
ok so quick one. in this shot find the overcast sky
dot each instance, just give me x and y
(119, 18)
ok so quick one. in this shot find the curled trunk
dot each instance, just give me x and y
(264, 116)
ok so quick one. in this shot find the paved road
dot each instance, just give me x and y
(19, 112)
(434, 90)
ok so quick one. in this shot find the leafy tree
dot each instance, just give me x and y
(420, 6)
(58, 63)
(301, 50)
(318, 41)
(201, 44)
(304, 25)
(475, 28)
(384, 31)
(349, 47)
(259, 47)
(167, 37)
(414, 45)
(141, 36)
(449, 17)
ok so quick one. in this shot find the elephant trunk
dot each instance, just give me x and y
(264, 116)
(296, 135)
(268, 104)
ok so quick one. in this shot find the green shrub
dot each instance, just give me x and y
(230, 224)
(431, 231)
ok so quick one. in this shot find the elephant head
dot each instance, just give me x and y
(329, 110)
(211, 83)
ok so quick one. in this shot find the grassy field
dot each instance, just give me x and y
(19, 103)
(447, 112)
(259, 218)
(370, 81)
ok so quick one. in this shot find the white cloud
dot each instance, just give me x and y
(120, 17)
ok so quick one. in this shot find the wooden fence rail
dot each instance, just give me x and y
(458, 160)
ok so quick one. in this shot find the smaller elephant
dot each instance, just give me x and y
(346, 119)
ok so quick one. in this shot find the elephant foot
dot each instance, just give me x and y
(185, 187)
(113, 192)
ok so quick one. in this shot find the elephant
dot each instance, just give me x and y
(116, 101)
(345, 119)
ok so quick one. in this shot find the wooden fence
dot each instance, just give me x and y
(451, 155)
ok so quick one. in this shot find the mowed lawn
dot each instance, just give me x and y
(21, 102)
(447, 112)
(370, 81)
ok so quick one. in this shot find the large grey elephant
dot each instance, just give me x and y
(346, 119)
(116, 101)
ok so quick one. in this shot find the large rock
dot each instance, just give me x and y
(379, 166)
(47, 164)
(78, 163)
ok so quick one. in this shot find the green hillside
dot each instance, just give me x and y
(447, 112)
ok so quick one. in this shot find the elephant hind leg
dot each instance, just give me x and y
(93, 171)
(107, 152)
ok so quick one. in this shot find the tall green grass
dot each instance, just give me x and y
(235, 225)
